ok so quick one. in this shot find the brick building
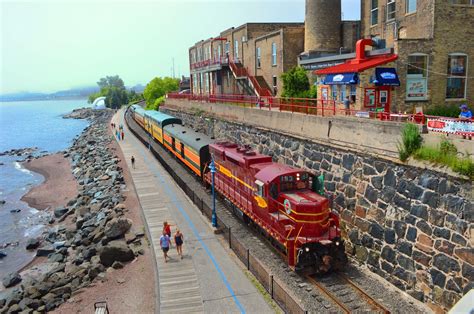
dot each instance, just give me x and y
(433, 41)
(250, 59)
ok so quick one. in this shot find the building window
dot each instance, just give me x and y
(465, 2)
(457, 76)
(209, 51)
(274, 54)
(391, 9)
(411, 6)
(236, 49)
(219, 52)
(417, 77)
(258, 58)
(275, 89)
(374, 12)
(227, 47)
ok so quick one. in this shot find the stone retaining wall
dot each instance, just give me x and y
(412, 226)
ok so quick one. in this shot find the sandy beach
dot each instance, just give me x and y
(59, 185)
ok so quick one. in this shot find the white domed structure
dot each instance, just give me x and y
(99, 103)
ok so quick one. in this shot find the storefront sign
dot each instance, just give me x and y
(451, 126)
(416, 89)
(317, 66)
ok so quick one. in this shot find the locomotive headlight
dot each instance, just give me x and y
(306, 249)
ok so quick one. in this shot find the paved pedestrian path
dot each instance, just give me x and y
(207, 279)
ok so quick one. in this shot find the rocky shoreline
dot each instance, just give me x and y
(85, 238)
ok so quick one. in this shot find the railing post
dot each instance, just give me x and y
(334, 107)
(248, 259)
(271, 286)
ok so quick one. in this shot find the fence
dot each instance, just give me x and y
(326, 108)
(252, 263)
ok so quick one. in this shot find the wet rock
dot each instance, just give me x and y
(2, 202)
(11, 280)
(2, 255)
(32, 244)
(14, 211)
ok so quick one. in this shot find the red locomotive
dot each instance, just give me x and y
(280, 200)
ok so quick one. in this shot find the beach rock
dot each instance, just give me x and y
(14, 211)
(56, 257)
(27, 303)
(11, 280)
(117, 265)
(32, 244)
(115, 251)
(117, 227)
(2, 254)
(58, 212)
(15, 308)
(2, 202)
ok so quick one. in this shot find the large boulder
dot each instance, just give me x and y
(115, 251)
(12, 279)
(117, 227)
(32, 244)
(2, 254)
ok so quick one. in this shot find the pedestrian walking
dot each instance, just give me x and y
(167, 228)
(165, 245)
(122, 135)
(178, 240)
(133, 162)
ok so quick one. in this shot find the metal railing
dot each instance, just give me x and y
(312, 106)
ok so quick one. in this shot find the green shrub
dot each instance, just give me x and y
(446, 154)
(447, 147)
(411, 141)
(156, 104)
(444, 111)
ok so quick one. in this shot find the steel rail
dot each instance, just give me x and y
(364, 294)
(329, 294)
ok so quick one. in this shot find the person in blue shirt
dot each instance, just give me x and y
(465, 114)
(165, 242)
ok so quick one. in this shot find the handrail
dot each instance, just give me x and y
(310, 106)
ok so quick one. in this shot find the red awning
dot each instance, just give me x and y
(356, 66)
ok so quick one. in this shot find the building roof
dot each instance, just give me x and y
(362, 65)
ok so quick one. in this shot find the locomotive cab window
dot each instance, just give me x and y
(182, 150)
(259, 190)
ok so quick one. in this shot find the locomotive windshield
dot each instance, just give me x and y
(294, 182)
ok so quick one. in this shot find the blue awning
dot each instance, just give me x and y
(386, 77)
(341, 79)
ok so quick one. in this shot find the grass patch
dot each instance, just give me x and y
(447, 154)
(266, 296)
(411, 141)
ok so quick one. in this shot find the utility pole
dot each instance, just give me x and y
(173, 68)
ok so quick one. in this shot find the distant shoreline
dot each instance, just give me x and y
(42, 99)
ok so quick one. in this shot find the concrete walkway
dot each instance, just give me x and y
(207, 279)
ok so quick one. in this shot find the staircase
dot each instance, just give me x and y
(257, 84)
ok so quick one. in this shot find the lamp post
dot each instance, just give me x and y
(212, 167)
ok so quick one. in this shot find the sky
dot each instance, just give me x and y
(51, 45)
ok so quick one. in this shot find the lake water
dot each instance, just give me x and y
(28, 124)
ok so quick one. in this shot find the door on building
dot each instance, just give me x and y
(377, 99)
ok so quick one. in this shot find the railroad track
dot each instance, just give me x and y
(346, 294)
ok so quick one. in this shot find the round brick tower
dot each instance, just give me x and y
(322, 25)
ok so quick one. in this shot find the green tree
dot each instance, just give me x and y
(113, 88)
(296, 84)
(158, 87)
